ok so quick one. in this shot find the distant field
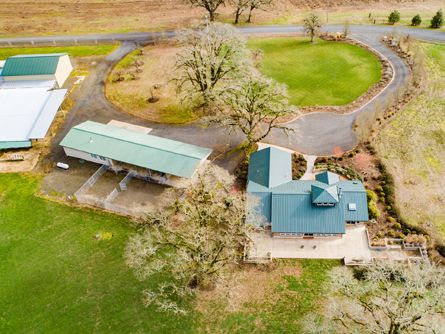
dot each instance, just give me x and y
(324, 73)
(73, 51)
(45, 17)
(413, 147)
(55, 277)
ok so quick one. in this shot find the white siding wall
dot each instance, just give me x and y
(86, 156)
(64, 69)
(30, 77)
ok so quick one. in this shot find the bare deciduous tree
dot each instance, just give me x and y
(389, 298)
(254, 105)
(257, 4)
(209, 5)
(312, 25)
(195, 239)
(240, 6)
(211, 54)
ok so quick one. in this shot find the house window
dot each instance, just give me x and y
(95, 156)
(325, 204)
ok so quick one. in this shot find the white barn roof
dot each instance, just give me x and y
(27, 113)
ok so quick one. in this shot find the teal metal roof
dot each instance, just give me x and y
(296, 214)
(327, 177)
(290, 205)
(5, 145)
(324, 194)
(38, 64)
(270, 167)
(135, 148)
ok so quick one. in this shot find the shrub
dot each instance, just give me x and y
(400, 235)
(379, 189)
(373, 210)
(381, 234)
(394, 17)
(437, 20)
(397, 226)
(391, 233)
(371, 196)
(416, 20)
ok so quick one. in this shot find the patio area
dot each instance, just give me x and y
(353, 247)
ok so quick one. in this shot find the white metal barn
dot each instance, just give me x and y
(29, 96)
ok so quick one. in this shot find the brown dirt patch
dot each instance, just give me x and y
(249, 285)
(31, 157)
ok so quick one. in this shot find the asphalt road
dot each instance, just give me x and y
(315, 134)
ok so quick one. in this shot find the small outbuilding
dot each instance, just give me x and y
(128, 149)
(37, 67)
(303, 208)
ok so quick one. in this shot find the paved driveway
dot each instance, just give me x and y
(352, 247)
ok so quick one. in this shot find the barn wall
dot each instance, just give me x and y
(63, 70)
(85, 156)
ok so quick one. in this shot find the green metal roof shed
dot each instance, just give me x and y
(37, 64)
(135, 148)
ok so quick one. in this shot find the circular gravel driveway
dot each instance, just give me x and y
(315, 133)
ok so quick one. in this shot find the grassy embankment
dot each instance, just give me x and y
(56, 277)
(322, 74)
(412, 145)
(73, 51)
(131, 92)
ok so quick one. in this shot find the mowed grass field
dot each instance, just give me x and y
(73, 51)
(319, 74)
(413, 147)
(56, 277)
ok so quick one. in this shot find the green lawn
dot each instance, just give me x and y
(324, 73)
(73, 51)
(283, 308)
(55, 277)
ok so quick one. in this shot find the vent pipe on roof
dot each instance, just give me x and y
(91, 140)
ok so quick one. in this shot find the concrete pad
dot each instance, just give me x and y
(353, 247)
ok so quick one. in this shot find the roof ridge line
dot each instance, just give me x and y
(161, 149)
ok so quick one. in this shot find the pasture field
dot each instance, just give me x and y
(412, 145)
(62, 17)
(63, 271)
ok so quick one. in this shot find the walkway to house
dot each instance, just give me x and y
(353, 247)
(309, 173)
